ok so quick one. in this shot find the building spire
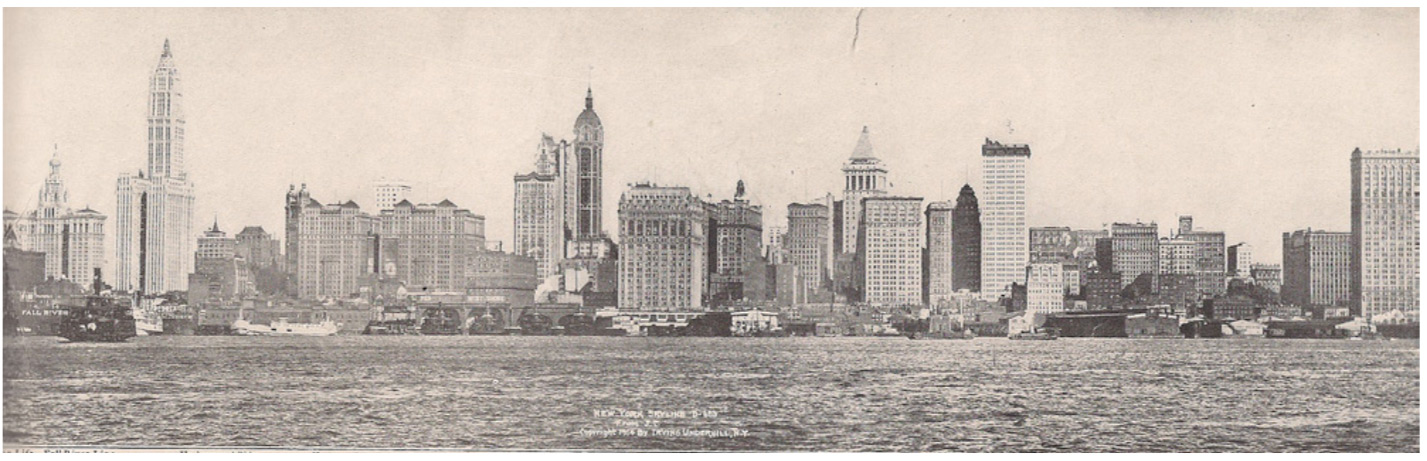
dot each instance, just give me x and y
(589, 97)
(54, 162)
(166, 52)
(215, 224)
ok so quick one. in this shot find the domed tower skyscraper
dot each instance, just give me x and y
(588, 155)
(72, 240)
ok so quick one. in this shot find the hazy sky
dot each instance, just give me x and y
(1243, 118)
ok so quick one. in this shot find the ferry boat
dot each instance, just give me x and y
(281, 327)
(1042, 334)
(100, 319)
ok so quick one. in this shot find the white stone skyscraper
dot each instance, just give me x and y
(539, 210)
(889, 250)
(1005, 239)
(807, 242)
(1045, 287)
(154, 219)
(1384, 236)
(72, 241)
(663, 252)
(863, 176)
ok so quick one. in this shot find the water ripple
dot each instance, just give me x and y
(706, 394)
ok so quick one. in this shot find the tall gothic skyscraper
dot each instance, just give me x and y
(154, 241)
(1005, 240)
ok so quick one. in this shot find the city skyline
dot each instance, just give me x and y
(457, 124)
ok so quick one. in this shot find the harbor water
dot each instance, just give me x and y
(827, 394)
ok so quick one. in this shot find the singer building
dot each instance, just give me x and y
(557, 206)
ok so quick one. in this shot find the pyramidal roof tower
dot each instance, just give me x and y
(863, 176)
(864, 147)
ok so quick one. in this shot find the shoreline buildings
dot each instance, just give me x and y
(686, 254)
(937, 278)
(1316, 268)
(154, 217)
(1134, 250)
(1386, 250)
(1004, 236)
(342, 251)
(72, 241)
(807, 245)
(737, 271)
(863, 177)
(558, 208)
(428, 247)
(1210, 261)
(1240, 257)
(219, 272)
(539, 211)
(258, 248)
(663, 238)
(1045, 287)
(335, 247)
(889, 250)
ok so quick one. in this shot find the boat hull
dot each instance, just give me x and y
(280, 328)
(99, 320)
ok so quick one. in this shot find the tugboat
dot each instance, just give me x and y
(101, 319)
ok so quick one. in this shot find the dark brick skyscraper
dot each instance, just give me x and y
(966, 242)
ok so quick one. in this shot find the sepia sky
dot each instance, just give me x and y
(1243, 118)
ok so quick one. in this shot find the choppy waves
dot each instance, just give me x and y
(839, 394)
